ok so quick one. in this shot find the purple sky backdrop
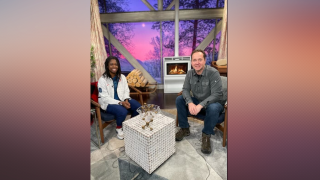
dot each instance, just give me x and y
(142, 30)
(143, 34)
(142, 38)
(138, 5)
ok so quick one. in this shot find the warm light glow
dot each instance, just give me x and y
(175, 70)
(143, 25)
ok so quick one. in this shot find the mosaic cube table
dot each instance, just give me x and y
(149, 148)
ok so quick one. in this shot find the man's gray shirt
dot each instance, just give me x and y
(205, 87)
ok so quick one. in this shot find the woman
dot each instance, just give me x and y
(114, 94)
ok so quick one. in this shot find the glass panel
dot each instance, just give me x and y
(167, 37)
(192, 33)
(166, 3)
(106, 42)
(142, 39)
(120, 30)
(142, 42)
(154, 3)
(217, 46)
(197, 4)
(138, 5)
(209, 53)
(126, 67)
(220, 3)
(112, 6)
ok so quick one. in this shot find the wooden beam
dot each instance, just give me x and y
(161, 51)
(210, 36)
(214, 39)
(160, 5)
(148, 5)
(176, 28)
(127, 55)
(170, 5)
(151, 16)
(219, 27)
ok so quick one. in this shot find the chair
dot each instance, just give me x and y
(225, 114)
(100, 114)
(135, 91)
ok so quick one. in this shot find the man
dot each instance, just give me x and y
(205, 84)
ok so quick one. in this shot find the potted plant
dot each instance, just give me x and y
(92, 64)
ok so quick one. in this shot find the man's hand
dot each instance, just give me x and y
(198, 108)
(192, 108)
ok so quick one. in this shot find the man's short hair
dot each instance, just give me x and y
(199, 50)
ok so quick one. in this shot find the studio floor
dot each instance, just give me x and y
(188, 162)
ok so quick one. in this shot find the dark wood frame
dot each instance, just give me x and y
(142, 90)
(222, 69)
(98, 116)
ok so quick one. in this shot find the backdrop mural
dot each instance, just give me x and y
(142, 39)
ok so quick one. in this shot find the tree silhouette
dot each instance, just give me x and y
(154, 58)
(192, 32)
(123, 32)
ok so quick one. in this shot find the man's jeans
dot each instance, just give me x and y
(211, 115)
(121, 112)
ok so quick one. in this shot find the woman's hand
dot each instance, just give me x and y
(126, 104)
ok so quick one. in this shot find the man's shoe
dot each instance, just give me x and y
(182, 133)
(206, 146)
(120, 134)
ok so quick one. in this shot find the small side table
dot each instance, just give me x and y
(222, 69)
(149, 148)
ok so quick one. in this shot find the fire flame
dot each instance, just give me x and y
(177, 71)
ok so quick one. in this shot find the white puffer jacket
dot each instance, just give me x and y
(106, 91)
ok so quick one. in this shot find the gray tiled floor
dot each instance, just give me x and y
(111, 162)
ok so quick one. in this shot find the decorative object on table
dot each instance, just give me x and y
(149, 143)
(148, 112)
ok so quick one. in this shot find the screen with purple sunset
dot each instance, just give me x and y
(142, 39)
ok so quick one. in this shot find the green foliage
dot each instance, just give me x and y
(92, 62)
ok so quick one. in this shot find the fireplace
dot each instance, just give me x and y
(175, 70)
